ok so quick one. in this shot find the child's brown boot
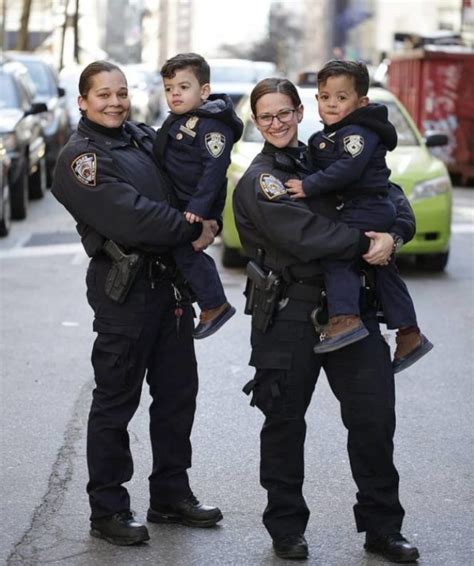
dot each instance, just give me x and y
(341, 331)
(211, 320)
(411, 346)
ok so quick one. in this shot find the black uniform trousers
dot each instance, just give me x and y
(134, 339)
(361, 378)
(343, 279)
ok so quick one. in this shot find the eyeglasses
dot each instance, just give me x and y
(284, 116)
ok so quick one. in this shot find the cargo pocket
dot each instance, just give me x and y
(114, 355)
(269, 387)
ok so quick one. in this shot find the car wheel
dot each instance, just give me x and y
(433, 262)
(232, 258)
(5, 220)
(19, 196)
(38, 184)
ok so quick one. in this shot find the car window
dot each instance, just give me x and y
(40, 75)
(233, 74)
(8, 93)
(406, 135)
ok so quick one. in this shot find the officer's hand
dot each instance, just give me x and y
(192, 218)
(209, 230)
(295, 188)
(381, 248)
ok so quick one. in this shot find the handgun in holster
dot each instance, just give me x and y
(262, 292)
(122, 273)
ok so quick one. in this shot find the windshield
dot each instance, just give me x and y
(8, 94)
(232, 74)
(41, 77)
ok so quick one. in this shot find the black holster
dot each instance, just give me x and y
(122, 273)
(263, 292)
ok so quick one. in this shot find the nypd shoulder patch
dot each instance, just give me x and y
(215, 143)
(84, 168)
(271, 186)
(354, 145)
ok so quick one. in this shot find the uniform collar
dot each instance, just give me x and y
(112, 137)
(290, 159)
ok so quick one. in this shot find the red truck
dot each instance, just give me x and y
(436, 84)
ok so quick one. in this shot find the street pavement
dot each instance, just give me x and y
(46, 338)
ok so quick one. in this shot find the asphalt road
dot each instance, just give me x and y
(45, 394)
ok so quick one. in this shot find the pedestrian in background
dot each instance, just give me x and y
(108, 179)
(286, 238)
(194, 146)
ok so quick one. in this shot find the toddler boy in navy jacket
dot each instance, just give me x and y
(348, 157)
(194, 146)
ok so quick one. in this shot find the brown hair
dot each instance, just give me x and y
(85, 80)
(268, 86)
(356, 70)
(198, 65)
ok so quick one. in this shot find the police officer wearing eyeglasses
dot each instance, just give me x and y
(285, 296)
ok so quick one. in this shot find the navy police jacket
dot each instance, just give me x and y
(197, 154)
(109, 181)
(296, 233)
(349, 157)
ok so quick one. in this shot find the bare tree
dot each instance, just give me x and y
(22, 39)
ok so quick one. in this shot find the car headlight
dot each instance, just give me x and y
(430, 188)
(8, 141)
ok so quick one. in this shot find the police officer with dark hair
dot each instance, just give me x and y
(108, 179)
(286, 239)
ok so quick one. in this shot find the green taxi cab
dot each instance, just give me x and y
(423, 177)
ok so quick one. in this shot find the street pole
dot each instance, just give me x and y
(76, 32)
(3, 30)
(63, 34)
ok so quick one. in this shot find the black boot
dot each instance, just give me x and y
(291, 547)
(120, 529)
(394, 547)
(188, 512)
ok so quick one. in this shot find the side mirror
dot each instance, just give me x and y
(61, 91)
(435, 139)
(37, 108)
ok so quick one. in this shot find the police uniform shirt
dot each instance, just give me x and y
(295, 231)
(287, 229)
(349, 157)
(197, 155)
(107, 179)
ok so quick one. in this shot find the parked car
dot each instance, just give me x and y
(55, 119)
(422, 176)
(145, 87)
(21, 135)
(5, 204)
(69, 81)
(237, 77)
